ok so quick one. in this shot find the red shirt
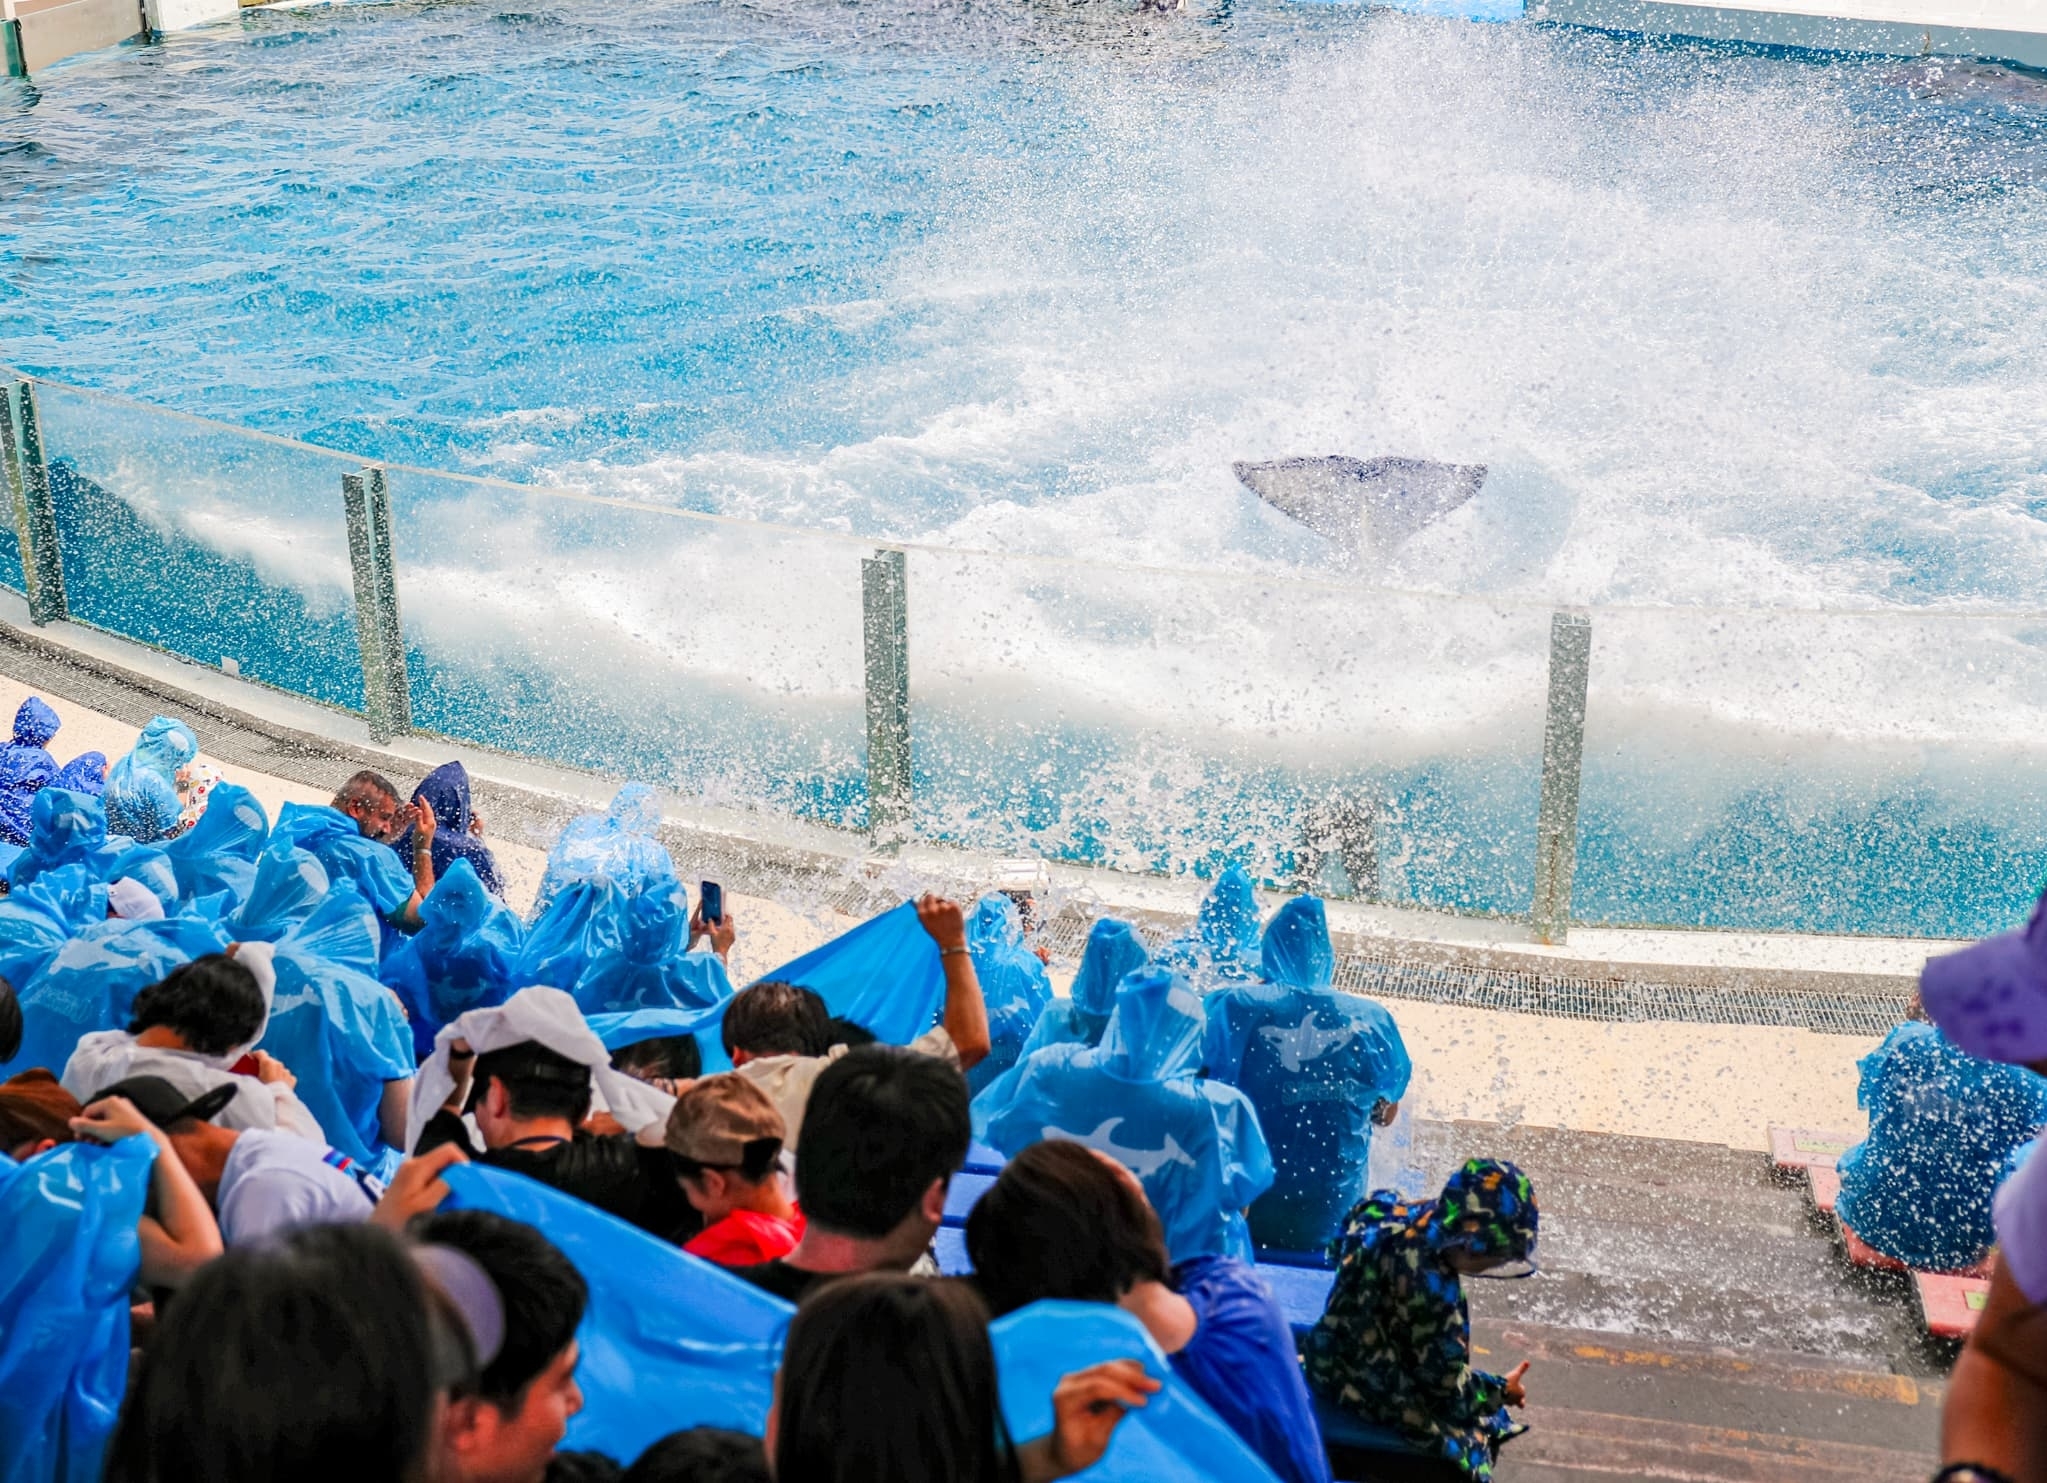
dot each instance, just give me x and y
(746, 1237)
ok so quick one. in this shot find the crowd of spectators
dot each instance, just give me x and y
(290, 1100)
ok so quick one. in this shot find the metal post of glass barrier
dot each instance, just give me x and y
(390, 632)
(35, 514)
(386, 698)
(885, 608)
(1563, 752)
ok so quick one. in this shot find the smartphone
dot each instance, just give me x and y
(711, 904)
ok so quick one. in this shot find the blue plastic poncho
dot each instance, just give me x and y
(26, 767)
(218, 853)
(68, 1257)
(1113, 951)
(86, 773)
(465, 956)
(1222, 946)
(1014, 984)
(285, 886)
(67, 828)
(447, 789)
(1195, 1144)
(1315, 1062)
(142, 787)
(1941, 1126)
(91, 982)
(335, 840)
(1176, 1435)
(885, 974)
(647, 964)
(667, 1341)
(618, 846)
(41, 917)
(705, 1025)
(340, 1032)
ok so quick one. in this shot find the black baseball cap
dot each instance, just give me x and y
(163, 1104)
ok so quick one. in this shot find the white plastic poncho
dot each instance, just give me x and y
(548, 1017)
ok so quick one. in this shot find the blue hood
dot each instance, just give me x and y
(1155, 1032)
(142, 788)
(35, 723)
(86, 773)
(1228, 919)
(1113, 951)
(619, 846)
(1296, 950)
(447, 789)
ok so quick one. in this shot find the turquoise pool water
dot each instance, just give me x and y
(1730, 329)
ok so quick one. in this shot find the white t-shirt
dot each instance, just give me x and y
(104, 1057)
(2021, 1213)
(275, 1182)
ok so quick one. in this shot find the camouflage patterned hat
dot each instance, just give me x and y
(1488, 1209)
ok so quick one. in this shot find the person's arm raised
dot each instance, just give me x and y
(966, 1012)
(182, 1236)
(424, 824)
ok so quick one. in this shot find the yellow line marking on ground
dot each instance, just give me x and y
(1901, 1389)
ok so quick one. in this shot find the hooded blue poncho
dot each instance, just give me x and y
(90, 983)
(646, 963)
(1222, 948)
(1195, 1144)
(465, 956)
(1314, 1062)
(218, 853)
(69, 1257)
(86, 773)
(1941, 1126)
(447, 789)
(141, 794)
(1014, 984)
(339, 1030)
(1114, 951)
(617, 847)
(26, 767)
(67, 828)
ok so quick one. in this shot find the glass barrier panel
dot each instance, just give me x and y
(1810, 772)
(1379, 746)
(719, 659)
(212, 542)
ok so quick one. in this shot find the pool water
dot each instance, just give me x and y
(1728, 328)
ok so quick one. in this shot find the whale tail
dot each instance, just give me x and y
(1364, 505)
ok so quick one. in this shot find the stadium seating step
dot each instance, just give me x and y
(1949, 1304)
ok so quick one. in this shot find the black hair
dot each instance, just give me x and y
(888, 1378)
(582, 1467)
(1060, 1223)
(363, 785)
(212, 1002)
(544, 1295)
(703, 1454)
(10, 1022)
(772, 1018)
(676, 1057)
(845, 1032)
(882, 1123)
(306, 1358)
(539, 1082)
